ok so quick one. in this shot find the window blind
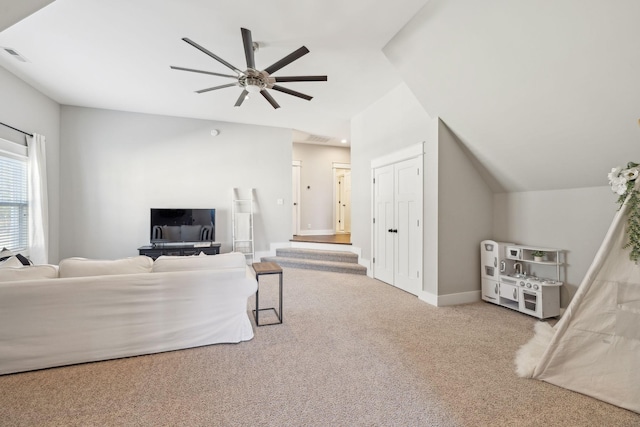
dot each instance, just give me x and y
(14, 231)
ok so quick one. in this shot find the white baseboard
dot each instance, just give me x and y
(367, 264)
(450, 299)
(429, 298)
(459, 298)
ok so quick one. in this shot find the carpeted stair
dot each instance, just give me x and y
(312, 259)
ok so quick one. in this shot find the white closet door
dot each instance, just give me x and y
(383, 238)
(408, 238)
(398, 230)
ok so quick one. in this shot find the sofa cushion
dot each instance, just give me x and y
(81, 267)
(208, 262)
(11, 262)
(33, 272)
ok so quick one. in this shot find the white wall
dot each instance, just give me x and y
(575, 220)
(395, 121)
(115, 166)
(316, 184)
(465, 205)
(458, 203)
(23, 107)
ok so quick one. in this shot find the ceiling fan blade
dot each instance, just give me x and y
(269, 98)
(287, 60)
(216, 87)
(291, 92)
(241, 98)
(203, 72)
(301, 79)
(247, 41)
(213, 55)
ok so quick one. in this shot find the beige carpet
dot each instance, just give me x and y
(351, 351)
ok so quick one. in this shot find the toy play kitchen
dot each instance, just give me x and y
(523, 278)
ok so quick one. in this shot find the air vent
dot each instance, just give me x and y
(15, 54)
(317, 138)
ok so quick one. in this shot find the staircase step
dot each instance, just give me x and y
(313, 264)
(330, 256)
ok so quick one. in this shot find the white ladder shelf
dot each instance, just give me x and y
(242, 224)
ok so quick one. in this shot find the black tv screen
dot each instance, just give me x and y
(183, 225)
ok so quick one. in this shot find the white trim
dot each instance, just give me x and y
(450, 299)
(296, 163)
(429, 298)
(406, 153)
(13, 149)
(337, 165)
(365, 263)
(459, 298)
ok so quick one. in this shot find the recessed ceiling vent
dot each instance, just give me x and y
(317, 138)
(15, 54)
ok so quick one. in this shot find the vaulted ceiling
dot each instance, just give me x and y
(116, 55)
(545, 94)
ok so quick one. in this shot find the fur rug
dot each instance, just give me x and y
(528, 356)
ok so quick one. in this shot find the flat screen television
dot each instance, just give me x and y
(183, 225)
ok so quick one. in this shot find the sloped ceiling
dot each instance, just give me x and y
(12, 11)
(545, 94)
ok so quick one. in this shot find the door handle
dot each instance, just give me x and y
(390, 230)
(395, 231)
(515, 294)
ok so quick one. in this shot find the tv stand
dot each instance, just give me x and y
(185, 249)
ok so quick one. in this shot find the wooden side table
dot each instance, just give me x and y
(262, 268)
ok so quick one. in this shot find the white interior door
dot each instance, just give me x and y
(342, 200)
(397, 229)
(383, 256)
(408, 214)
(338, 202)
(346, 197)
(295, 205)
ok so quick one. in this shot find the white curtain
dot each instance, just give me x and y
(38, 201)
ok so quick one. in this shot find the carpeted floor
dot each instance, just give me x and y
(351, 351)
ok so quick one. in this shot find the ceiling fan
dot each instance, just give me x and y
(252, 80)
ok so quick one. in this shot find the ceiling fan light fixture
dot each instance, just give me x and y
(253, 84)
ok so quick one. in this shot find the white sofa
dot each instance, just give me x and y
(87, 310)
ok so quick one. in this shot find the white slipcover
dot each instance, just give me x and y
(55, 322)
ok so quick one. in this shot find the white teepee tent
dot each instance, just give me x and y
(595, 348)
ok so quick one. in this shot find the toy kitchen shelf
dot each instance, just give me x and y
(552, 257)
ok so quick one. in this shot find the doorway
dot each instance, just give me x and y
(295, 205)
(342, 198)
